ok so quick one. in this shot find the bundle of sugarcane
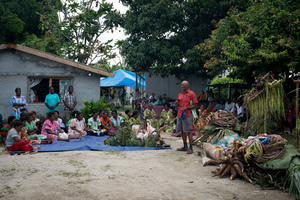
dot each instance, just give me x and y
(223, 118)
(213, 133)
(232, 164)
(256, 100)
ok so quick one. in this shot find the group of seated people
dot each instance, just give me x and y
(147, 116)
(236, 107)
(21, 134)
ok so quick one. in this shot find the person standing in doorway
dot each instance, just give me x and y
(184, 116)
(52, 100)
(70, 103)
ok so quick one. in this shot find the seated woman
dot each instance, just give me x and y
(165, 113)
(116, 121)
(144, 104)
(31, 129)
(51, 129)
(15, 143)
(134, 119)
(210, 108)
(34, 118)
(94, 124)
(106, 123)
(150, 116)
(59, 120)
(202, 114)
(4, 129)
(77, 125)
(169, 123)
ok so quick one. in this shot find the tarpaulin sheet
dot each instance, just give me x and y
(122, 78)
(89, 143)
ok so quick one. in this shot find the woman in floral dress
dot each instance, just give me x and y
(51, 129)
(18, 102)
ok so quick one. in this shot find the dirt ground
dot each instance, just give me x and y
(159, 174)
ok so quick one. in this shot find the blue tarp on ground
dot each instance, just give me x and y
(89, 143)
(122, 78)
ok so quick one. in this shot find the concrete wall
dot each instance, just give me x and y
(16, 67)
(171, 85)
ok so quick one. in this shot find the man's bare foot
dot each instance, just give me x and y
(49, 140)
(69, 138)
(37, 148)
(80, 136)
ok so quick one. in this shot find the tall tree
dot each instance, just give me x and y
(163, 33)
(263, 38)
(18, 19)
(73, 29)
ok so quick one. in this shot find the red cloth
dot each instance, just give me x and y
(36, 99)
(291, 114)
(20, 146)
(184, 99)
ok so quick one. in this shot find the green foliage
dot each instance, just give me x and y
(19, 18)
(263, 38)
(101, 104)
(73, 30)
(151, 140)
(163, 33)
(224, 91)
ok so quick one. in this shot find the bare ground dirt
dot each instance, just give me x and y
(160, 174)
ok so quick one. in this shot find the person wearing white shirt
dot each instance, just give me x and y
(116, 121)
(229, 105)
(152, 98)
(135, 95)
(239, 110)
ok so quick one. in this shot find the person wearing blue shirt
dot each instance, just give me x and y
(52, 100)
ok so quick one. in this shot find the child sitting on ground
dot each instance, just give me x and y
(15, 143)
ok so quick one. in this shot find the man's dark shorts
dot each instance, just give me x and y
(134, 102)
(185, 126)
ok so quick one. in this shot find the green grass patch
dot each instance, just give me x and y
(7, 172)
(111, 177)
(79, 182)
(76, 163)
(106, 167)
(181, 159)
(117, 153)
(73, 174)
(7, 189)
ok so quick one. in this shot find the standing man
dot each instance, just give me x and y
(185, 121)
(135, 95)
(52, 100)
(70, 103)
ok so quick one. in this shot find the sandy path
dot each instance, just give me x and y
(161, 174)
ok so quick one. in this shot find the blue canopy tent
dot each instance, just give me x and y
(122, 78)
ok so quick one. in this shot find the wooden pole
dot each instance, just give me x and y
(297, 111)
(266, 105)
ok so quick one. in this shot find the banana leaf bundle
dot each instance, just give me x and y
(213, 133)
(293, 181)
(223, 118)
